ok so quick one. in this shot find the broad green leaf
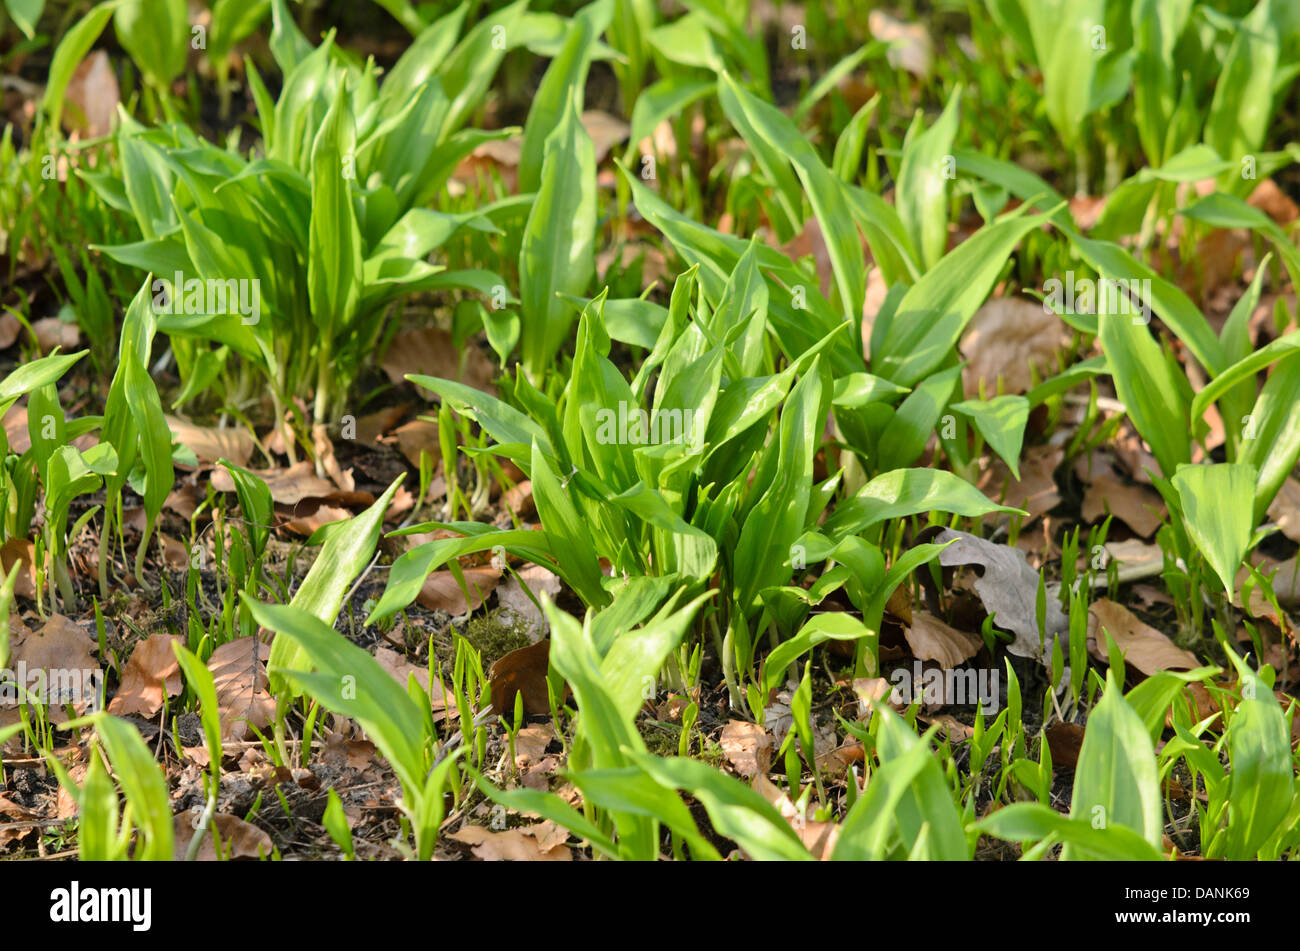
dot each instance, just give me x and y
(1001, 421)
(1218, 503)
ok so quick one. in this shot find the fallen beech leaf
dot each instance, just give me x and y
(9, 330)
(747, 746)
(1006, 337)
(240, 679)
(418, 436)
(379, 423)
(931, 639)
(307, 524)
(1009, 590)
(429, 351)
(870, 689)
(510, 845)
(51, 332)
(606, 131)
(94, 94)
(1285, 509)
(151, 674)
(910, 46)
(521, 671)
(442, 592)
(323, 449)
(1064, 740)
(63, 646)
(209, 443)
(1035, 492)
(1144, 647)
(1137, 506)
(819, 838)
(239, 839)
(518, 608)
(20, 550)
(531, 743)
(294, 484)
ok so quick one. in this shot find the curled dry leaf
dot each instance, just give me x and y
(1144, 647)
(1064, 740)
(521, 671)
(510, 845)
(1006, 337)
(747, 746)
(239, 676)
(239, 839)
(931, 639)
(20, 550)
(150, 676)
(1009, 590)
(819, 838)
(429, 351)
(306, 523)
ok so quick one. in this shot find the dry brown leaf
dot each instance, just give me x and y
(323, 449)
(240, 679)
(93, 95)
(1144, 647)
(20, 550)
(606, 131)
(1009, 590)
(294, 484)
(429, 351)
(442, 592)
(1285, 509)
(151, 674)
(306, 524)
(747, 746)
(416, 437)
(1064, 740)
(51, 332)
(1139, 507)
(518, 608)
(379, 423)
(819, 838)
(209, 443)
(531, 743)
(1035, 492)
(931, 639)
(63, 649)
(510, 845)
(9, 330)
(1004, 339)
(521, 671)
(239, 839)
(910, 46)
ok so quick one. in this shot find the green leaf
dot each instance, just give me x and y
(334, 258)
(72, 49)
(1261, 781)
(157, 35)
(556, 256)
(904, 492)
(342, 557)
(1115, 780)
(1218, 503)
(1001, 421)
(923, 175)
